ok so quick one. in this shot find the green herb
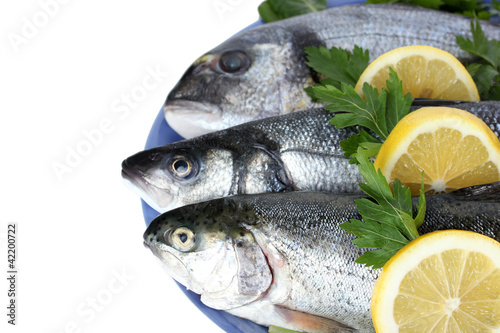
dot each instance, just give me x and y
(276, 329)
(485, 71)
(364, 140)
(275, 10)
(388, 220)
(379, 113)
(337, 65)
(472, 8)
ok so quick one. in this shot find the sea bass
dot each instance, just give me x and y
(262, 72)
(297, 151)
(281, 258)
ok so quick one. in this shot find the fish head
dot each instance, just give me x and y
(171, 176)
(205, 249)
(216, 165)
(253, 75)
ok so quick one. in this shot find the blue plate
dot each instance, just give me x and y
(162, 134)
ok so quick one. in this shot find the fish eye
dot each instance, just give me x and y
(182, 239)
(182, 167)
(233, 62)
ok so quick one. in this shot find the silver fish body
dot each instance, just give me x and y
(262, 72)
(281, 258)
(298, 151)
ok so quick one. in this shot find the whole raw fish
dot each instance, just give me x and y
(297, 151)
(281, 259)
(261, 72)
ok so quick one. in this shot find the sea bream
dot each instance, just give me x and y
(297, 151)
(281, 258)
(262, 72)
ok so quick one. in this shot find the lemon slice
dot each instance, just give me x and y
(453, 148)
(444, 281)
(426, 72)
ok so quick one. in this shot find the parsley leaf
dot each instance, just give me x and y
(275, 10)
(485, 72)
(482, 47)
(387, 217)
(380, 112)
(388, 223)
(354, 110)
(398, 105)
(337, 64)
(483, 75)
(363, 139)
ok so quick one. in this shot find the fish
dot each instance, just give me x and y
(293, 152)
(262, 72)
(281, 259)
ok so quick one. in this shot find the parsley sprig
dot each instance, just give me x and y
(388, 218)
(485, 71)
(378, 112)
(387, 221)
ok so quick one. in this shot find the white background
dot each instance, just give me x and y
(62, 75)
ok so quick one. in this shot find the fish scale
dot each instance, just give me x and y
(311, 152)
(317, 274)
(311, 291)
(379, 28)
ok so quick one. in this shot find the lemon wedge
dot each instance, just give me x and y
(426, 72)
(444, 281)
(452, 147)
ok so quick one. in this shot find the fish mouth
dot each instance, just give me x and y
(134, 177)
(170, 263)
(190, 118)
(156, 198)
